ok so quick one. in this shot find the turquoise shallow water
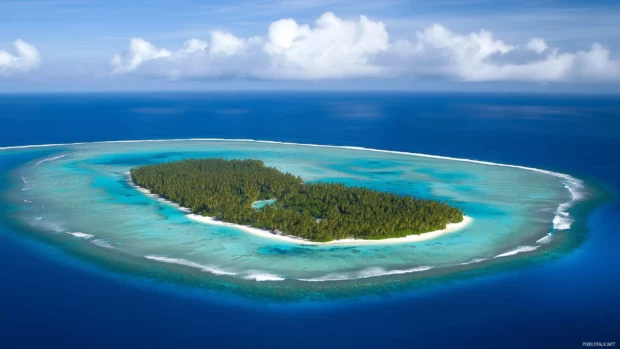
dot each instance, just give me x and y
(80, 195)
(262, 203)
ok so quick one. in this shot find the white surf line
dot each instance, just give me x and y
(546, 239)
(369, 272)
(260, 276)
(130, 141)
(51, 159)
(561, 221)
(104, 244)
(517, 250)
(473, 261)
(81, 235)
(25, 184)
(185, 262)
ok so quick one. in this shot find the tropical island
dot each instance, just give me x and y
(228, 190)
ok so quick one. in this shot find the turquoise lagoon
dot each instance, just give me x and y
(77, 196)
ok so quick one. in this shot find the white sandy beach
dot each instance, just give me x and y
(451, 227)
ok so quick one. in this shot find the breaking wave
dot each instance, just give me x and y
(191, 264)
(81, 235)
(102, 243)
(365, 273)
(263, 277)
(474, 261)
(545, 240)
(50, 159)
(517, 250)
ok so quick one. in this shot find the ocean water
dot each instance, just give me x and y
(562, 296)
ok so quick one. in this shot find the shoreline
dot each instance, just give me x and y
(450, 227)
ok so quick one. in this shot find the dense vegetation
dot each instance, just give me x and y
(226, 189)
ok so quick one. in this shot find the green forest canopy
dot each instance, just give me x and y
(225, 189)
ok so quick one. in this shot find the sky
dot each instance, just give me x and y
(442, 45)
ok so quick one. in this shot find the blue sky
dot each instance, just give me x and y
(66, 45)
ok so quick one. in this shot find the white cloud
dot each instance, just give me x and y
(139, 51)
(27, 58)
(336, 48)
(476, 46)
(333, 48)
(596, 64)
(537, 45)
(195, 45)
(225, 55)
(480, 57)
(226, 43)
(462, 56)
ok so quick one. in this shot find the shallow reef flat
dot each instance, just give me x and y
(79, 194)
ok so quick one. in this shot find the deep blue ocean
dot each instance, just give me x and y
(49, 299)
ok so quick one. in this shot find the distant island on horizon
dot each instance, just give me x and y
(246, 192)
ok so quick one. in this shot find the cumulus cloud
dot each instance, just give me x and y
(473, 46)
(138, 52)
(481, 57)
(597, 64)
(537, 45)
(195, 45)
(226, 43)
(336, 48)
(26, 58)
(332, 48)
(463, 56)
